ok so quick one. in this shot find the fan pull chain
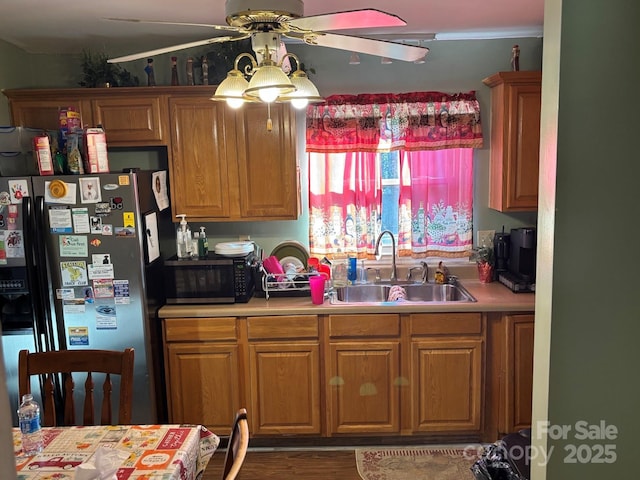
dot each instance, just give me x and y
(269, 122)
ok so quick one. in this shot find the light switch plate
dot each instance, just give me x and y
(485, 238)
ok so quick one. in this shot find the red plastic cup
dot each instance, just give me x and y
(325, 269)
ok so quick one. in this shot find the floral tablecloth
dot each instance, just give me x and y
(150, 452)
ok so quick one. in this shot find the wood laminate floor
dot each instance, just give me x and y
(290, 464)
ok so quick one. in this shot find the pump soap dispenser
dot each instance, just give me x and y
(203, 244)
(183, 238)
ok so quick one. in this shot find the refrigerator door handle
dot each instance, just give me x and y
(40, 250)
(37, 305)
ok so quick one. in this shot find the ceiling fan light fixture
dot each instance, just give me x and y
(354, 59)
(269, 82)
(232, 89)
(305, 92)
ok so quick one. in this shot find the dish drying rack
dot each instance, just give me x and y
(280, 285)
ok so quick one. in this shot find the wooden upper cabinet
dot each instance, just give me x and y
(39, 108)
(135, 120)
(515, 140)
(201, 183)
(267, 166)
(130, 116)
(226, 165)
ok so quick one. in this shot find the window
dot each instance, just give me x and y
(424, 198)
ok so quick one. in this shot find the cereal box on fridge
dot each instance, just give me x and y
(42, 154)
(95, 151)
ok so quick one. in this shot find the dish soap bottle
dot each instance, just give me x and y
(194, 244)
(203, 244)
(184, 243)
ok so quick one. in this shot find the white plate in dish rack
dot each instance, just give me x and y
(295, 261)
(234, 248)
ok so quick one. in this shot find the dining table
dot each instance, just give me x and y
(121, 452)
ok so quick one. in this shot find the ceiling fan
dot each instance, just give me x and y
(251, 18)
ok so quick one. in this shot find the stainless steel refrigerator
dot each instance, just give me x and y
(81, 268)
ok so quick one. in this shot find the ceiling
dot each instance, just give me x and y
(63, 27)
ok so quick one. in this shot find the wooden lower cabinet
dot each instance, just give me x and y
(446, 371)
(344, 375)
(363, 372)
(285, 388)
(518, 372)
(446, 385)
(284, 372)
(364, 395)
(204, 384)
(202, 368)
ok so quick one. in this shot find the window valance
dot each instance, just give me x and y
(386, 122)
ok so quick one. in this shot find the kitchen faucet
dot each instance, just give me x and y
(394, 272)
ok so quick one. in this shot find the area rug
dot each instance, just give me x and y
(415, 463)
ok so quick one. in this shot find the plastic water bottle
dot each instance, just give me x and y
(29, 421)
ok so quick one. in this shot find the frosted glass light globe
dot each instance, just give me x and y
(268, 94)
(235, 102)
(299, 103)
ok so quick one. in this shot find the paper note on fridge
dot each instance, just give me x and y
(60, 219)
(100, 271)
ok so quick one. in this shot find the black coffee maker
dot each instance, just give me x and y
(522, 256)
(520, 275)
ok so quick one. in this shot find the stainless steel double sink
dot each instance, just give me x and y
(413, 292)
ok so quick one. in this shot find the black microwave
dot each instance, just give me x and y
(214, 279)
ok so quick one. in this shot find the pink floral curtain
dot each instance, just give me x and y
(344, 203)
(436, 208)
(434, 133)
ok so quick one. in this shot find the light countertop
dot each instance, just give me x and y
(492, 297)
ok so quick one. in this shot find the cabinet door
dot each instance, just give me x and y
(515, 140)
(139, 120)
(200, 180)
(42, 112)
(518, 373)
(364, 387)
(267, 166)
(446, 385)
(203, 384)
(285, 388)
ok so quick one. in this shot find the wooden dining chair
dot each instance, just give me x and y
(237, 447)
(68, 362)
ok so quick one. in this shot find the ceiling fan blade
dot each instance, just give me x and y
(159, 51)
(381, 48)
(364, 18)
(187, 24)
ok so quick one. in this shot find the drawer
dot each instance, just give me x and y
(197, 329)
(445, 323)
(286, 326)
(372, 325)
